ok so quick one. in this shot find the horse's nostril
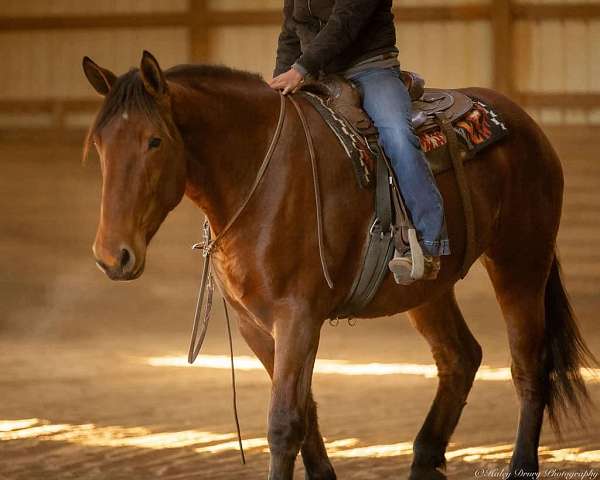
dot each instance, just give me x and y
(125, 258)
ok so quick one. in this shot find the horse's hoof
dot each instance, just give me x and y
(426, 473)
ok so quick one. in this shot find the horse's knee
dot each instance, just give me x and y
(286, 432)
(457, 367)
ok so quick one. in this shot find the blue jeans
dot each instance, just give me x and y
(386, 100)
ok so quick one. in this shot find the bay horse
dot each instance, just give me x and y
(203, 131)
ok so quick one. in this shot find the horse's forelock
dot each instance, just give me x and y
(128, 94)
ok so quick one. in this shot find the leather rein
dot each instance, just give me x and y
(209, 244)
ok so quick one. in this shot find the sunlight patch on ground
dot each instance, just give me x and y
(215, 443)
(572, 455)
(95, 436)
(249, 444)
(33, 432)
(375, 451)
(342, 367)
(8, 425)
(474, 454)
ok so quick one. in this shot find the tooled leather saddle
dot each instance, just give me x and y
(339, 103)
(334, 96)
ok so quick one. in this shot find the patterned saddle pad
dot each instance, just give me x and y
(476, 124)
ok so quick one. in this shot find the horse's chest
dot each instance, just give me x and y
(243, 285)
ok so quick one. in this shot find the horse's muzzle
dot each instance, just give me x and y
(122, 266)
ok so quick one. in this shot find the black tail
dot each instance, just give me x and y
(566, 354)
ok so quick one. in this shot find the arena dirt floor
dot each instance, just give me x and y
(93, 382)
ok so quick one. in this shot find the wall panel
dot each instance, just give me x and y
(550, 56)
(87, 7)
(228, 5)
(47, 64)
(248, 48)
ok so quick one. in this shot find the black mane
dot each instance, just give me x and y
(217, 72)
(129, 94)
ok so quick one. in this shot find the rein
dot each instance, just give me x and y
(315, 174)
(259, 176)
(202, 315)
(208, 245)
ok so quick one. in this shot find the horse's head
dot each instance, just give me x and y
(142, 161)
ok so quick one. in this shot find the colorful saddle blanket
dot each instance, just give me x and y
(476, 124)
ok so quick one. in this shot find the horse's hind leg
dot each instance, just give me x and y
(314, 454)
(457, 356)
(520, 292)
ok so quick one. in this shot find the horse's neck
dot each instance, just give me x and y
(226, 137)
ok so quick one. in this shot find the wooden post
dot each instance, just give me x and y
(199, 34)
(502, 34)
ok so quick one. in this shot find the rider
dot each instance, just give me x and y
(357, 39)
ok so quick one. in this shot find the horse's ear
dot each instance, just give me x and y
(100, 78)
(152, 75)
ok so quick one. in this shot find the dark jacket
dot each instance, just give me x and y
(332, 35)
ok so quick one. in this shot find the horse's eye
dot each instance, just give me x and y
(154, 142)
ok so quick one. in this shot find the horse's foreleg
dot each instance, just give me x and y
(296, 343)
(314, 454)
(457, 356)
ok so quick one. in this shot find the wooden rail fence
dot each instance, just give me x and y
(200, 19)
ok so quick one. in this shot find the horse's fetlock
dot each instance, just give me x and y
(286, 432)
(428, 454)
(324, 473)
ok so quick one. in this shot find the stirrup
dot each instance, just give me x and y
(406, 269)
(416, 253)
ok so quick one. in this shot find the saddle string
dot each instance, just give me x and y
(315, 174)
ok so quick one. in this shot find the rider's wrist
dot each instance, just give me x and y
(300, 69)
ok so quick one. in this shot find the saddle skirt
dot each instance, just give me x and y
(339, 103)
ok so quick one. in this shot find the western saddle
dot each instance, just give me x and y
(339, 103)
(344, 98)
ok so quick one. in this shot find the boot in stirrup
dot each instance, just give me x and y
(402, 268)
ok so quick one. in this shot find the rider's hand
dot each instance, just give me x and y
(288, 82)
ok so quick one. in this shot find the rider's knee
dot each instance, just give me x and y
(401, 140)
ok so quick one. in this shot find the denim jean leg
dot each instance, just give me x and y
(386, 100)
